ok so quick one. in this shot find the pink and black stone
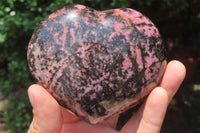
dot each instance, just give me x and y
(97, 63)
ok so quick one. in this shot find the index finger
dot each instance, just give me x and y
(68, 116)
(173, 77)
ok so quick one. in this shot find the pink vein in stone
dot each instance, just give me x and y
(86, 21)
(80, 7)
(127, 63)
(56, 14)
(127, 36)
(100, 79)
(127, 66)
(139, 58)
(150, 72)
(72, 40)
(137, 18)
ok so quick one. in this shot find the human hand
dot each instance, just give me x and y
(50, 117)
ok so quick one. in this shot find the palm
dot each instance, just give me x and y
(50, 117)
(83, 127)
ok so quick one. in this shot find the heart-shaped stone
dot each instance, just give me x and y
(97, 63)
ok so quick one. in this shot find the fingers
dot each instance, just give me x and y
(173, 77)
(111, 122)
(150, 116)
(68, 116)
(154, 111)
(47, 116)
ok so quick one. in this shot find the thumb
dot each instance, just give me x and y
(47, 117)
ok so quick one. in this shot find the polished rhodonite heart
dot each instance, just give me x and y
(97, 63)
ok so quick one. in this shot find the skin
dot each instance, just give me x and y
(50, 117)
